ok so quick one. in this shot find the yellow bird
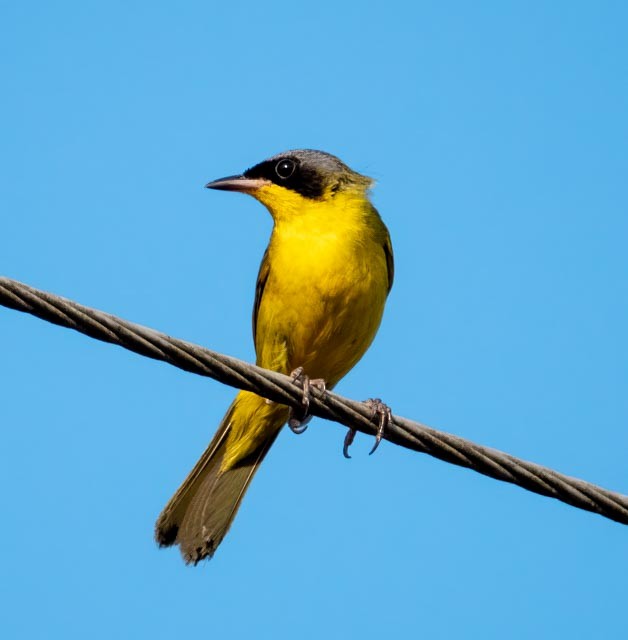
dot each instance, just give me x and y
(319, 300)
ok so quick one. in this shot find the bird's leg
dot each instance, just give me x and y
(298, 420)
(385, 417)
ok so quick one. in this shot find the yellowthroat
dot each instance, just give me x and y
(319, 300)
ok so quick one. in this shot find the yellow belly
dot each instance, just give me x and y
(322, 305)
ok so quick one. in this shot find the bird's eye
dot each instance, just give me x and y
(285, 168)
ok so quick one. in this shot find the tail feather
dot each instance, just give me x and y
(200, 513)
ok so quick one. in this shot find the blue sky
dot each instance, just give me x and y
(497, 133)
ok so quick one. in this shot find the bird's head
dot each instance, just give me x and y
(296, 180)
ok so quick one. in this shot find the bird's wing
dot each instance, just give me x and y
(390, 261)
(262, 277)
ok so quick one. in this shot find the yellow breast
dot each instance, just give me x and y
(327, 284)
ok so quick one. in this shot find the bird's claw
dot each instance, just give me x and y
(385, 418)
(298, 420)
(348, 442)
(297, 425)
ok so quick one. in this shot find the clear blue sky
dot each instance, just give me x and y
(497, 132)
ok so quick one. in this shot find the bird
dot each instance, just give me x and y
(319, 300)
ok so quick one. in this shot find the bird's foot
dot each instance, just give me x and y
(299, 419)
(385, 418)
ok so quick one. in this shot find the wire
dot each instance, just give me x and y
(283, 389)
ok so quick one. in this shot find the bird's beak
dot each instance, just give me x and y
(237, 183)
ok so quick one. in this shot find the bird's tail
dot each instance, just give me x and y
(200, 513)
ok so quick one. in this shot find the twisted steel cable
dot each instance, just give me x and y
(282, 389)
